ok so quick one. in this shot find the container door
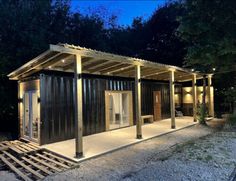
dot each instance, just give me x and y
(119, 110)
(31, 116)
(157, 105)
(26, 121)
(34, 116)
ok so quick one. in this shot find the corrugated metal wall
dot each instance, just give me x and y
(57, 103)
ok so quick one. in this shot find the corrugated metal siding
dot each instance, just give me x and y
(57, 103)
(147, 98)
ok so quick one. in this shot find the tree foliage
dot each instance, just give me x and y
(209, 28)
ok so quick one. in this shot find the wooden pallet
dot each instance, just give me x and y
(30, 162)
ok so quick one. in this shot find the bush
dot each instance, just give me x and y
(201, 113)
(231, 120)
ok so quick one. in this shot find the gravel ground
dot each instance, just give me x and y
(195, 153)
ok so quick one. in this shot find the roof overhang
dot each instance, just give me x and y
(61, 58)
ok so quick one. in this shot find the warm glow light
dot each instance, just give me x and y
(63, 61)
(50, 67)
(214, 69)
(192, 70)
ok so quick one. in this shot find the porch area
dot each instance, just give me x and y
(105, 142)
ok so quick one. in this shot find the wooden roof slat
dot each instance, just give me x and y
(102, 67)
(153, 73)
(115, 67)
(122, 69)
(44, 65)
(92, 64)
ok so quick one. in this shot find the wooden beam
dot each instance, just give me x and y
(111, 68)
(103, 67)
(33, 69)
(138, 102)
(78, 107)
(127, 72)
(104, 63)
(85, 61)
(172, 98)
(190, 79)
(210, 95)
(194, 94)
(158, 72)
(121, 69)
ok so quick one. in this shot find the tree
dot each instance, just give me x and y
(164, 45)
(209, 28)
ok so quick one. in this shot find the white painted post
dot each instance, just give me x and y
(138, 101)
(172, 98)
(78, 107)
(210, 95)
(194, 94)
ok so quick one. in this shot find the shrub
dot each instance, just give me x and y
(201, 114)
(231, 120)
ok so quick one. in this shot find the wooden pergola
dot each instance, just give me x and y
(79, 60)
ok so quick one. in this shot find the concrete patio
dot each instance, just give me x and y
(101, 143)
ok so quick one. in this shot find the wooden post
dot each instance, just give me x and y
(138, 102)
(204, 93)
(78, 107)
(210, 96)
(172, 98)
(194, 94)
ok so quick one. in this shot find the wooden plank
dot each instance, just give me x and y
(14, 169)
(16, 150)
(59, 158)
(24, 165)
(33, 145)
(20, 148)
(26, 147)
(37, 166)
(44, 163)
(53, 161)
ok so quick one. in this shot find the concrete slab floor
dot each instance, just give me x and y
(105, 142)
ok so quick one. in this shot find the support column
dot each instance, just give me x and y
(194, 94)
(78, 107)
(172, 98)
(138, 101)
(210, 96)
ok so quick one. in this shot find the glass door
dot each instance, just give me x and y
(26, 121)
(119, 110)
(31, 115)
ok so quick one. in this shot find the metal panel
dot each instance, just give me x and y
(57, 103)
(57, 108)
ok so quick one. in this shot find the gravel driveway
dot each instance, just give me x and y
(176, 156)
(194, 153)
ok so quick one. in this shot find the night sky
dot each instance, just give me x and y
(126, 10)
